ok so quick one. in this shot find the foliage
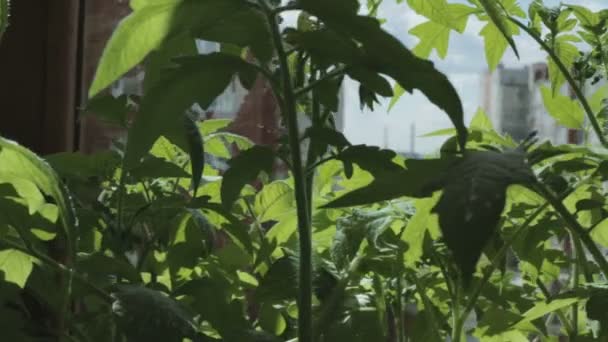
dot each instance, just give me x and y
(185, 232)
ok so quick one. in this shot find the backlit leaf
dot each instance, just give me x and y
(245, 168)
(565, 110)
(16, 266)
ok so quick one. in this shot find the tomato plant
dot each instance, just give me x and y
(155, 240)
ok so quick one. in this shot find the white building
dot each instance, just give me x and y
(513, 100)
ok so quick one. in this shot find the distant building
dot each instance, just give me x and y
(513, 101)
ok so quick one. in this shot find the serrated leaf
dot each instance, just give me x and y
(499, 18)
(274, 201)
(147, 315)
(198, 79)
(16, 266)
(147, 28)
(372, 81)
(567, 53)
(564, 110)
(18, 162)
(541, 309)
(473, 198)
(245, 168)
(379, 51)
(435, 34)
(418, 180)
(350, 232)
(495, 43)
(242, 26)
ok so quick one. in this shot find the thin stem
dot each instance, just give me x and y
(564, 70)
(318, 163)
(457, 318)
(574, 227)
(337, 72)
(575, 284)
(400, 320)
(428, 306)
(121, 195)
(495, 261)
(305, 332)
(562, 317)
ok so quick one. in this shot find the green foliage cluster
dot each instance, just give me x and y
(180, 232)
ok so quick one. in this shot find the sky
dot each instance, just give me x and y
(464, 66)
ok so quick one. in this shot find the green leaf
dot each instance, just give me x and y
(147, 28)
(435, 34)
(567, 53)
(600, 233)
(398, 93)
(418, 180)
(154, 167)
(159, 61)
(148, 315)
(481, 121)
(372, 81)
(379, 51)
(271, 320)
(140, 33)
(84, 166)
(274, 201)
(416, 229)
(210, 126)
(495, 43)
(245, 168)
(498, 17)
(540, 309)
(111, 109)
(198, 79)
(452, 16)
(598, 99)
(241, 25)
(565, 110)
(473, 198)
(16, 266)
(280, 282)
(100, 267)
(18, 162)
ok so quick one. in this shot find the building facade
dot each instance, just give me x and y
(513, 101)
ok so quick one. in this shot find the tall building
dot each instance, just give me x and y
(512, 99)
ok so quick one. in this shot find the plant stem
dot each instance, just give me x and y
(564, 70)
(495, 261)
(428, 306)
(575, 227)
(575, 284)
(559, 312)
(457, 318)
(305, 332)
